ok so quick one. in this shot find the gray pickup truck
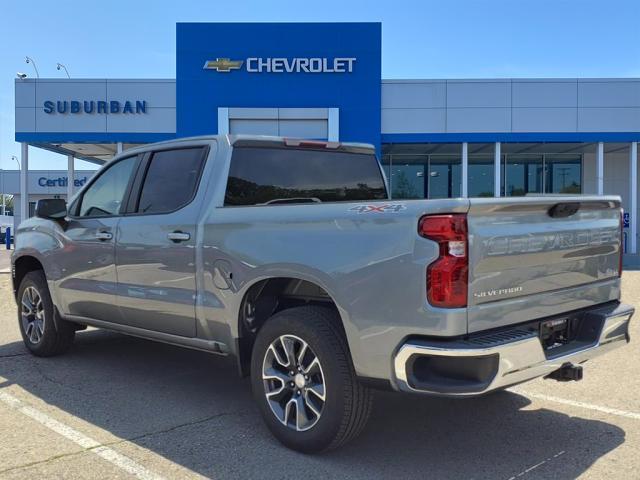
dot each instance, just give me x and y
(289, 256)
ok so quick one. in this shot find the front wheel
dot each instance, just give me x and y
(42, 335)
(304, 382)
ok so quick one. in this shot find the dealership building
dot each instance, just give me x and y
(436, 138)
(40, 184)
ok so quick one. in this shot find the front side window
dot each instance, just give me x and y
(286, 175)
(171, 180)
(104, 196)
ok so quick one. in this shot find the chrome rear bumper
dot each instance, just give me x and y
(494, 361)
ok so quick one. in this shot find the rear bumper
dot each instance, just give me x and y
(493, 361)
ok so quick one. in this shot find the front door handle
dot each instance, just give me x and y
(178, 236)
(104, 235)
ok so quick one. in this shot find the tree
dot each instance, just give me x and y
(402, 187)
(8, 204)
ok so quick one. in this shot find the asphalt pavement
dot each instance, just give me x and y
(122, 407)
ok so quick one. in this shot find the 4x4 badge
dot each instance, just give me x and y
(384, 208)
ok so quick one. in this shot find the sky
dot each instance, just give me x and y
(420, 39)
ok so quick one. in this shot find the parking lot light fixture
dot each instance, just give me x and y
(30, 60)
(61, 66)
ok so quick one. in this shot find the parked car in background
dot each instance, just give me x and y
(289, 256)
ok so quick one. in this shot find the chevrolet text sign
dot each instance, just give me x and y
(284, 65)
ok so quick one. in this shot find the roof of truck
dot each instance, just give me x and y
(265, 141)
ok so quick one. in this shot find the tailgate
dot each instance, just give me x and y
(534, 257)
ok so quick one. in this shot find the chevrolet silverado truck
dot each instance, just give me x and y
(290, 256)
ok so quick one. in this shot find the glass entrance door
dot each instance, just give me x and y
(563, 174)
(523, 175)
(444, 176)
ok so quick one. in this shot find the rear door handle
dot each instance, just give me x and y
(104, 235)
(178, 236)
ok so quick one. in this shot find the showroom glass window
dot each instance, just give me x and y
(444, 176)
(481, 177)
(407, 175)
(523, 174)
(171, 180)
(434, 170)
(104, 196)
(542, 173)
(563, 173)
(430, 170)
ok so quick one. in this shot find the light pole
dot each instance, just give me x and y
(3, 204)
(30, 60)
(19, 169)
(62, 66)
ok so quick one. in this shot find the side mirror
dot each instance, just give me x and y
(51, 208)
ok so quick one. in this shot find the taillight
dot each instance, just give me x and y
(448, 276)
(621, 242)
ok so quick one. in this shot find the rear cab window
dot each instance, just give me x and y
(272, 176)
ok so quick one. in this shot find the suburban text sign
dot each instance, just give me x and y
(95, 107)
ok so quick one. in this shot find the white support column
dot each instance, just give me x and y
(24, 190)
(3, 199)
(633, 192)
(223, 121)
(497, 182)
(71, 176)
(464, 187)
(333, 125)
(119, 148)
(600, 168)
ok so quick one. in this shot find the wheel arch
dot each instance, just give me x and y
(21, 266)
(266, 297)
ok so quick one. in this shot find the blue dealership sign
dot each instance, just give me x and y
(60, 182)
(280, 65)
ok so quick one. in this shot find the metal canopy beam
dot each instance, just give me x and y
(65, 150)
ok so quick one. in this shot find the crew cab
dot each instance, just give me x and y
(289, 256)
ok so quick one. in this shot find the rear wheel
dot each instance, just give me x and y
(304, 382)
(41, 333)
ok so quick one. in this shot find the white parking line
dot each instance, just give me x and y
(573, 403)
(88, 443)
(539, 464)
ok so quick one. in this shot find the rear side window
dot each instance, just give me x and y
(171, 180)
(276, 175)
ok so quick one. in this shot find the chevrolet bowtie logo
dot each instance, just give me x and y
(223, 64)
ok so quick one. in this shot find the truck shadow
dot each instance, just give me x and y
(192, 409)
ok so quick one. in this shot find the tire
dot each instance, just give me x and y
(347, 403)
(42, 333)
